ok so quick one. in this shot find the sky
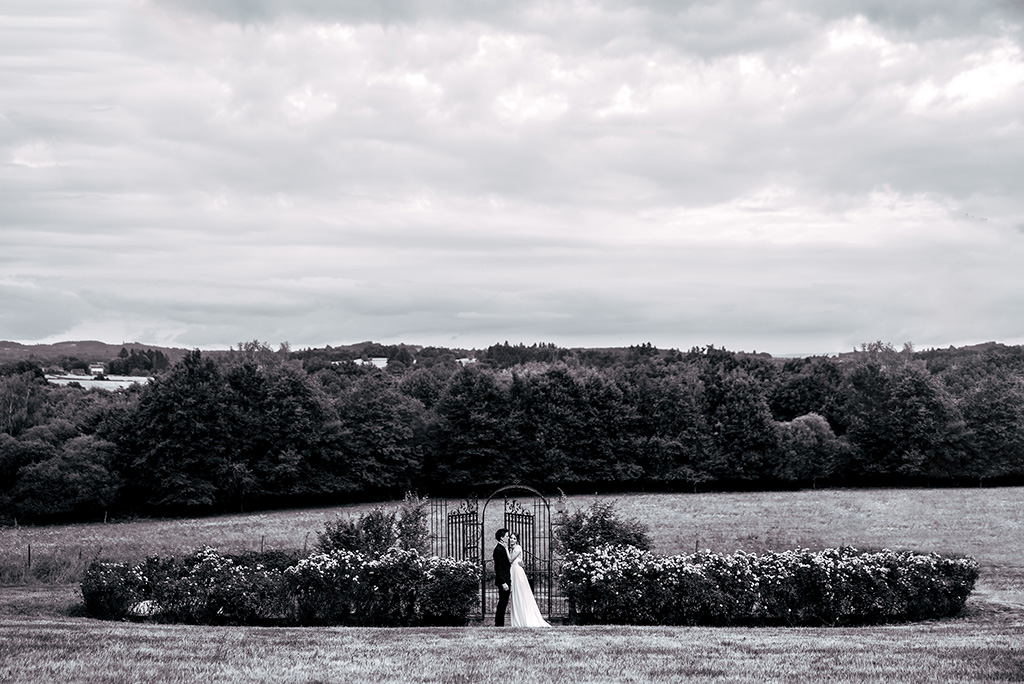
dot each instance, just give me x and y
(795, 177)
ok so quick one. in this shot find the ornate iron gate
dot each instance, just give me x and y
(455, 534)
(466, 533)
(526, 513)
(463, 529)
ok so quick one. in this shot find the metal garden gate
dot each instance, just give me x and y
(466, 533)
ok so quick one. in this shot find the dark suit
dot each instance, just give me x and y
(502, 575)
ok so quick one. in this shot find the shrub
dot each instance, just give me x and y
(599, 525)
(109, 590)
(271, 559)
(625, 585)
(390, 588)
(412, 529)
(688, 596)
(450, 591)
(341, 534)
(379, 530)
(324, 587)
(399, 588)
(207, 588)
(610, 584)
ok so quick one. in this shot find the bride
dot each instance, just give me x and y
(525, 612)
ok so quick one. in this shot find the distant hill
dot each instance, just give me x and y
(89, 351)
(93, 351)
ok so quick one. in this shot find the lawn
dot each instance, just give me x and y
(41, 638)
(36, 644)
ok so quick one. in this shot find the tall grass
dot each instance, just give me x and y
(985, 523)
(59, 553)
(56, 565)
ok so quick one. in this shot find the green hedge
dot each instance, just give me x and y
(625, 585)
(399, 588)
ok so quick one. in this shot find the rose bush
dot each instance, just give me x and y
(324, 587)
(401, 587)
(626, 585)
(451, 591)
(111, 589)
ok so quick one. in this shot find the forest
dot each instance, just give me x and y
(256, 428)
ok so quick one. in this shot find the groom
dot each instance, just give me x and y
(502, 575)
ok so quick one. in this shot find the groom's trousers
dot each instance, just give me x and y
(499, 612)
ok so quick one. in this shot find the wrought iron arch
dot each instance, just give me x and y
(464, 533)
(533, 526)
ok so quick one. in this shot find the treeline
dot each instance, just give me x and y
(255, 428)
(138, 363)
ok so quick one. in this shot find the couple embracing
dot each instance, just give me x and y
(512, 582)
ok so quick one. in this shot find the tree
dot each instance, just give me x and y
(74, 484)
(181, 438)
(742, 428)
(20, 401)
(993, 410)
(808, 449)
(580, 423)
(472, 441)
(426, 384)
(902, 420)
(668, 427)
(381, 434)
(284, 427)
(812, 385)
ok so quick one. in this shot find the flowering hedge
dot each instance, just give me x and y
(624, 585)
(400, 587)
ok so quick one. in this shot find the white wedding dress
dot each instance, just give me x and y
(525, 612)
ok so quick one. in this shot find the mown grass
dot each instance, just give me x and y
(42, 636)
(78, 650)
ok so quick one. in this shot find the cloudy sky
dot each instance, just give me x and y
(790, 176)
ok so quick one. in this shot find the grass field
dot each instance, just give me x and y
(41, 639)
(985, 523)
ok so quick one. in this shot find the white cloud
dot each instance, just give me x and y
(792, 177)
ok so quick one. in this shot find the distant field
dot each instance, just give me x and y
(985, 523)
